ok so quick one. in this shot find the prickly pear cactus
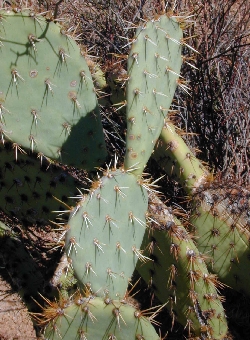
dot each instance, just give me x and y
(47, 97)
(48, 106)
(119, 201)
(154, 65)
(105, 231)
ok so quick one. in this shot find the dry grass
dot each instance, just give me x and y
(218, 108)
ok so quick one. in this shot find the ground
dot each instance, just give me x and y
(15, 322)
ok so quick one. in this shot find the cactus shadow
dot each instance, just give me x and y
(85, 145)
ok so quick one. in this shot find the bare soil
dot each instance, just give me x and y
(15, 322)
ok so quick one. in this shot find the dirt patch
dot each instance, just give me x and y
(15, 322)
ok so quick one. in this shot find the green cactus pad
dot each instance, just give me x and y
(94, 318)
(220, 211)
(180, 277)
(154, 65)
(177, 160)
(220, 216)
(221, 220)
(47, 98)
(28, 189)
(105, 233)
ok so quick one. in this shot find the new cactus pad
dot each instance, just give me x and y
(47, 97)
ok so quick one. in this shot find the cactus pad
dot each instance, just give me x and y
(94, 318)
(105, 233)
(180, 277)
(47, 98)
(221, 219)
(154, 65)
(28, 189)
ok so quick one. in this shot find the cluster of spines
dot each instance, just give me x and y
(76, 317)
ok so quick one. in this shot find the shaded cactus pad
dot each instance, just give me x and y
(30, 190)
